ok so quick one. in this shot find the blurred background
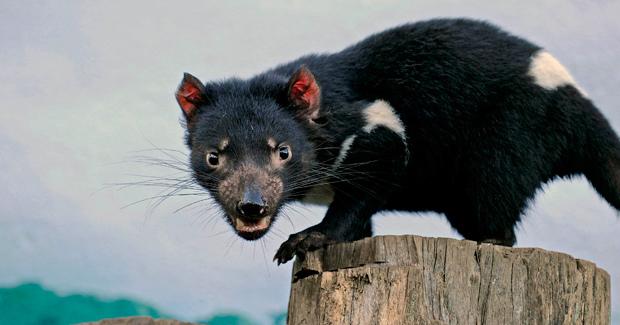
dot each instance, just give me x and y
(87, 86)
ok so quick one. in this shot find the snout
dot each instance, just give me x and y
(253, 205)
(252, 220)
(251, 197)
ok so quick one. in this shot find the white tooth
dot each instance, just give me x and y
(262, 222)
(240, 223)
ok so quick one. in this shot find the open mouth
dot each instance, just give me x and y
(251, 228)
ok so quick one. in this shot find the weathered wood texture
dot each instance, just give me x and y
(418, 280)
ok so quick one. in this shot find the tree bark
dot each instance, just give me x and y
(418, 280)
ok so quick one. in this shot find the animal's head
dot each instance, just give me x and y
(250, 143)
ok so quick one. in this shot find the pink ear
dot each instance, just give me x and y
(304, 93)
(190, 95)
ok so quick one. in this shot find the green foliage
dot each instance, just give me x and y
(29, 304)
(279, 319)
(229, 319)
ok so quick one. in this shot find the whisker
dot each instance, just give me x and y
(190, 204)
(231, 245)
(219, 233)
(265, 257)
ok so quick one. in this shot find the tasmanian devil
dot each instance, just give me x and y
(448, 115)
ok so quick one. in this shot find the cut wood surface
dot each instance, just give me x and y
(419, 280)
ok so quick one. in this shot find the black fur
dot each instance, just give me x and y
(481, 135)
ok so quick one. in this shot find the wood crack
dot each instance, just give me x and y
(474, 284)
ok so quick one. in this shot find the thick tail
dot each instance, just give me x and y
(601, 155)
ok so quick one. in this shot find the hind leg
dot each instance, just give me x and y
(509, 239)
(491, 195)
(484, 228)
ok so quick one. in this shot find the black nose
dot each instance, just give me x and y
(253, 205)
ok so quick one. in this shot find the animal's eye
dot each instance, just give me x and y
(212, 159)
(285, 153)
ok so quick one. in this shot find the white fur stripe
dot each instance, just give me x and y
(345, 147)
(381, 113)
(549, 73)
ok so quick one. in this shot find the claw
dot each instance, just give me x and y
(301, 243)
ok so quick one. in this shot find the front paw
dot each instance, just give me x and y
(301, 243)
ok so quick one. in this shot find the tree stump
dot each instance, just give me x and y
(418, 280)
